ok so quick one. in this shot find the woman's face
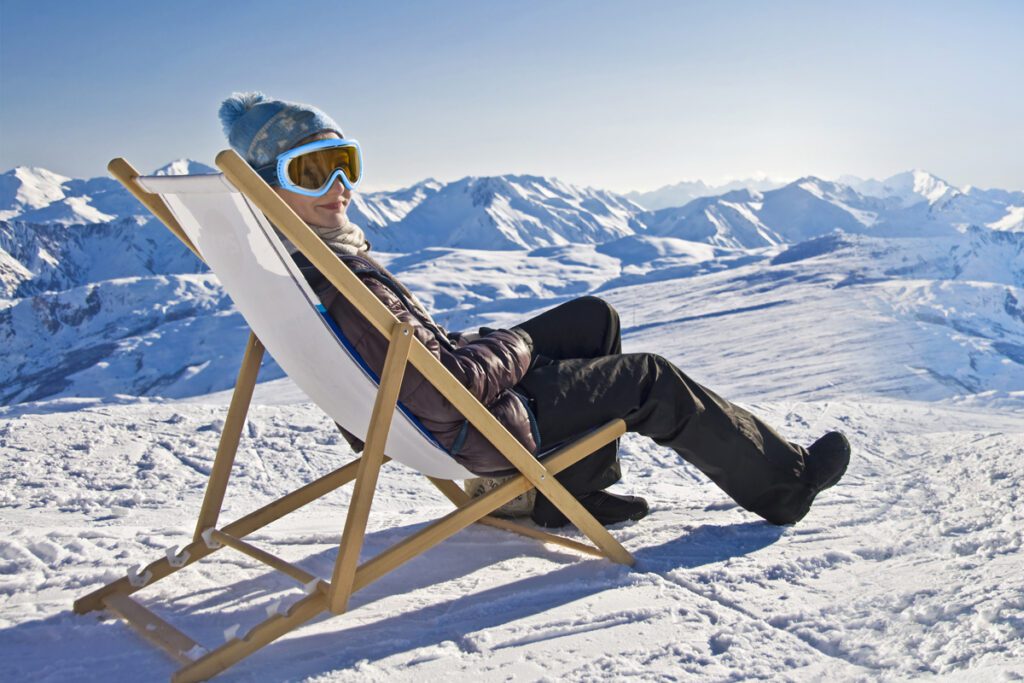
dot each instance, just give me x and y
(327, 210)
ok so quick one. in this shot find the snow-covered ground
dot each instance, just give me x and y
(914, 347)
(910, 567)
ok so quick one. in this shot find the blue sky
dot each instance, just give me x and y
(621, 95)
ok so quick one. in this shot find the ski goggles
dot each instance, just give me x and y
(310, 169)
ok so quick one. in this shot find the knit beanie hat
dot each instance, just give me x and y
(260, 128)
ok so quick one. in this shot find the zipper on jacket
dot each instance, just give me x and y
(460, 439)
(534, 429)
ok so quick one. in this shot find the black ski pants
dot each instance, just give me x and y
(580, 379)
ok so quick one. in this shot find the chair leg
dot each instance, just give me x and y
(473, 510)
(369, 466)
(230, 436)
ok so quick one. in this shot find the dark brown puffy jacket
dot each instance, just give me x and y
(489, 366)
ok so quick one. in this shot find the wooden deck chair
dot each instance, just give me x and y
(223, 218)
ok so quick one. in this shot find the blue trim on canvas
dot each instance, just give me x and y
(333, 324)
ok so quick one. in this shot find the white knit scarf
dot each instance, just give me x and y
(348, 239)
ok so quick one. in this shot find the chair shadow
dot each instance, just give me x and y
(452, 619)
(95, 642)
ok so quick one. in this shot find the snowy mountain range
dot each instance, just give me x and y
(36, 195)
(524, 212)
(684, 192)
(911, 204)
(97, 298)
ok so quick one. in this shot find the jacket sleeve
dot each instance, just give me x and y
(462, 338)
(485, 366)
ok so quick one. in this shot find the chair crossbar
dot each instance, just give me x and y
(152, 628)
(262, 634)
(272, 561)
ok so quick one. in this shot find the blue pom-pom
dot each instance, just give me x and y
(235, 107)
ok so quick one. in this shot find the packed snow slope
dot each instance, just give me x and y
(909, 568)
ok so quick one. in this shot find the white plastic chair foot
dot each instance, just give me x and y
(231, 632)
(138, 580)
(275, 608)
(176, 559)
(208, 539)
(195, 652)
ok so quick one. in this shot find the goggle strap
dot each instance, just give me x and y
(268, 173)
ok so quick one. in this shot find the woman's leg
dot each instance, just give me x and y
(753, 464)
(585, 327)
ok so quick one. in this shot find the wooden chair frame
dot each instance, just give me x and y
(348, 576)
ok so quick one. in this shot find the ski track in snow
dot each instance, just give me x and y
(910, 567)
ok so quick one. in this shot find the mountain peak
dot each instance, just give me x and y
(25, 188)
(916, 184)
(36, 174)
(184, 167)
(819, 187)
(510, 211)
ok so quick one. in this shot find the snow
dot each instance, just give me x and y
(908, 187)
(1013, 220)
(81, 210)
(909, 567)
(931, 188)
(378, 209)
(120, 350)
(184, 167)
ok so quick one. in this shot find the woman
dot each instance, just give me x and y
(548, 379)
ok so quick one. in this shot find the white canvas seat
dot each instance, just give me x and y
(241, 247)
(229, 221)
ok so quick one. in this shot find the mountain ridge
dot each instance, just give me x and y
(121, 307)
(520, 211)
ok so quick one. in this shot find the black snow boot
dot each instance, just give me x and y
(829, 457)
(607, 508)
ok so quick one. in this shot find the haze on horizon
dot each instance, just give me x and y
(622, 96)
